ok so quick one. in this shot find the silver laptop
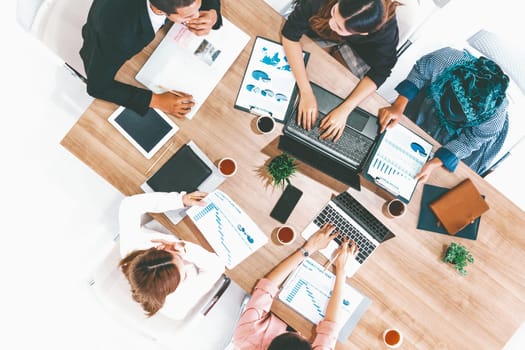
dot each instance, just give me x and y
(353, 220)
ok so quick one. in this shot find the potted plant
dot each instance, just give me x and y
(459, 256)
(281, 168)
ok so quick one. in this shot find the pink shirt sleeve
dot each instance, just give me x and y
(326, 336)
(257, 325)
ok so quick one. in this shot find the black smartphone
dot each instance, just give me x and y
(284, 206)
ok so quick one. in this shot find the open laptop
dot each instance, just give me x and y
(352, 219)
(350, 151)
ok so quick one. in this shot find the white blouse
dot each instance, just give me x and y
(204, 267)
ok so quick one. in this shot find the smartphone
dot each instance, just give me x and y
(286, 203)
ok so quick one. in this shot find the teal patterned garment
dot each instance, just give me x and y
(471, 130)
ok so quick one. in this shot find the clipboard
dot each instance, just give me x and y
(268, 86)
(398, 155)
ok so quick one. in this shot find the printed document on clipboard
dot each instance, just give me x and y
(308, 289)
(397, 157)
(232, 234)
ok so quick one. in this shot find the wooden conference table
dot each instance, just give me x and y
(410, 288)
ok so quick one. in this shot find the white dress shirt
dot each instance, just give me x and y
(204, 267)
(157, 21)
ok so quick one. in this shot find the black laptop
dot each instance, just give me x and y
(343, 159)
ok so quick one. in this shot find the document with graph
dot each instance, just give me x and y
(228, 229)
(308, 289)
(396, 158)
(192, 64)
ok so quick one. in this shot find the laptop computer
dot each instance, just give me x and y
(353, 220)
(350, 151)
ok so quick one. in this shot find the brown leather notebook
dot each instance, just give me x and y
(460, 206)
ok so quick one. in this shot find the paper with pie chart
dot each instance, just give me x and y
(398, 157)
(232, 234)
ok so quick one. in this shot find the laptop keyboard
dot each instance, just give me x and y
(352, 147)
(328, 214)
(362, 216)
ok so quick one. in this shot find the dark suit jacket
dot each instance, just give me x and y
(115, 31)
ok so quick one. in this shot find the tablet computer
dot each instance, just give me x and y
(147, 133)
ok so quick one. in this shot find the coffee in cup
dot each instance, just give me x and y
(392, 338)
(227, 166)
(395, 208)
(285, 234)
(265, 124)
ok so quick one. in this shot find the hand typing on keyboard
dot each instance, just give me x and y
(321, 238)
(334, 124)
(346, 249)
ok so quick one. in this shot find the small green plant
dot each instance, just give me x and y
(459, 256)
(281, 168)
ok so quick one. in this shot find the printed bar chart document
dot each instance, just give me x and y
(268, 86)
(397, 157)
(192, 64)
(308, 289)
(228, 229)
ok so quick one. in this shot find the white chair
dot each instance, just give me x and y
(58, 25)
(210, 324)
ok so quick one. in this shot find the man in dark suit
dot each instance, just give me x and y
(116, 30)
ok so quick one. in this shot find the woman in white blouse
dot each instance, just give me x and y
(165, 274)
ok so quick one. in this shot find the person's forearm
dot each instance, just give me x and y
(285, 267)
(362, 90)
(294, 53)
(400, 103)
(334, 304)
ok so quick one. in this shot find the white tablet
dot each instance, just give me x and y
(147, 133)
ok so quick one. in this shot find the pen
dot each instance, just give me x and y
(331, 261)
(158, 159)
(174, 92)
(217, 296)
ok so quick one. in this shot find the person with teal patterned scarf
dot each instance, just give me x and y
(458, 99)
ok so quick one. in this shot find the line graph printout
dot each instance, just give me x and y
(228, 229)
(308, 289)
(398, 158)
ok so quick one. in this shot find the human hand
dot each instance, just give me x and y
(178, 104)
(202, 24)
(307, 110)
(346, 249)
(321, 238)
(178, 246)
(427, 169)
(194, 198)
(388, 117)
(333, 124)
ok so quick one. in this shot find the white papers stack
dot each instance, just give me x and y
(192, 64)
(231, 233)
(308, 289)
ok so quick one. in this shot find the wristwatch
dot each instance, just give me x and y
(305, 252)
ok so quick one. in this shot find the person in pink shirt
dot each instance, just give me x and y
(259, 329)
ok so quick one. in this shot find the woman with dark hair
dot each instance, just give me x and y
(165, 274)
(259, 329)
(364, 34)
(460, 101)
(116, 30)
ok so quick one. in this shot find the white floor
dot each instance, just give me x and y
(58, 211)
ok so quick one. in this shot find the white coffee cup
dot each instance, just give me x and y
(265, 124)
(392, 338)
(227, 166)
(395, 208)
(286, 234)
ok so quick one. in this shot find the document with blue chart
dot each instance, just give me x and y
(232, 234)
(396, 158)
(268, 86)
(308, 289)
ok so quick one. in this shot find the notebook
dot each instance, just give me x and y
(189, 169)
(390, 159)
(352, 219)
(459, 206)
(307, 290)
(428, 221)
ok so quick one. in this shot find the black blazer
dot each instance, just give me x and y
(115, 31)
